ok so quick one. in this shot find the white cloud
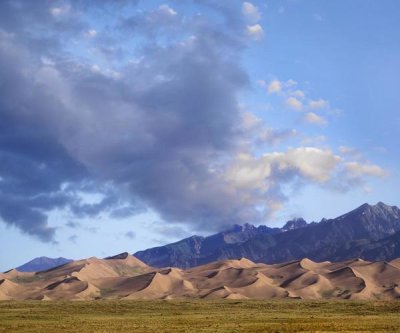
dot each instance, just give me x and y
(273, 169)
(166, 10)
(298, 93)
(91, 33)
(360, 169)
(294, 103)
(255, 31)
(59, 11)
(274, 87)
(318, 104)
(251, 12)
(313, 118)
(313, 163)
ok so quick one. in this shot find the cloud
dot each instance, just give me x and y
(255, 31)
(251, 12)
(73, 238)
(159, 147)
(73, 224)
(91, 33)
(313, 118)
(318, 104)
(347, 150)
(168, 231)
(130, 235)
(275, 136)
(298, 94)
(166, 10)
(351, 152)
(61, 10)
(274, 87)
(168, 134)
(365, 169)
(256, 131)
(298, 100)
(265, 175)
(294, 103)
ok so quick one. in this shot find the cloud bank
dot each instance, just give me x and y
(152, 119)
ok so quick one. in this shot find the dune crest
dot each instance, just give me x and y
(125, 277)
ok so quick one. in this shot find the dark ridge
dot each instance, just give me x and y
(122, 255)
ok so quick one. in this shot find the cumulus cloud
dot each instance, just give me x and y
(313, 118)
(274, 87)
(318, 104)
(255, 31)
(298, 94)
(251, 12)
(365, 169)
(294, 103)
(267, 174)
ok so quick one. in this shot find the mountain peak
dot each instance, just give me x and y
(240, 228)
(379, 209)
(295, 223)
(42, 263)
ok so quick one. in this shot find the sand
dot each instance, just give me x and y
(126, 277)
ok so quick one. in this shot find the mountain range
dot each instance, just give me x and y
(371, 232)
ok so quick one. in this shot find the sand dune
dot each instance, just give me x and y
(125, 277)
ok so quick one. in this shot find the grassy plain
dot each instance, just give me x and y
(199, 316)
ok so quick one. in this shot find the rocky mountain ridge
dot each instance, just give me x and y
(341, 238)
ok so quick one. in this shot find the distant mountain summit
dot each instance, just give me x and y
(42, 264)
(294, 224)
(369, 231)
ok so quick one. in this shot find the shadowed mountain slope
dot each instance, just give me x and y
(42, 264)
(357, 233)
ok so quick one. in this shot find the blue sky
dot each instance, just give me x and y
(130, 124)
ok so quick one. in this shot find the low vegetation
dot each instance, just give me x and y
(200, 316)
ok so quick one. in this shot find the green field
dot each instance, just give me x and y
(200, 316)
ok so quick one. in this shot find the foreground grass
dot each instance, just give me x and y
(200, 316)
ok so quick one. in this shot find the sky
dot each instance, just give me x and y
(130, 124)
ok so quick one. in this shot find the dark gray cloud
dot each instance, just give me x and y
(73, 224)
(156, 130)
(73, 238)
(130, 235)
(144, 113)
